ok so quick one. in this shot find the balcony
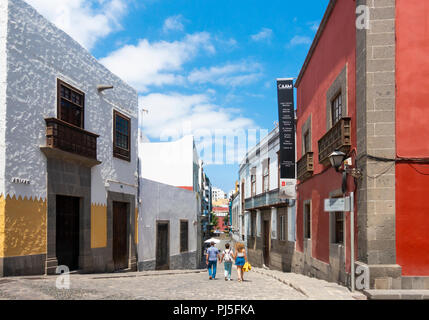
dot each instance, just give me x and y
(305, 166)
(66, 141)
(264, 200)
(337, 138)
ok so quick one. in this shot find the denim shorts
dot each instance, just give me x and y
(240, 261)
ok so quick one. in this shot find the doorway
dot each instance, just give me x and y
(67, 231)
(162, 246)
(120, 256)
(266, 242)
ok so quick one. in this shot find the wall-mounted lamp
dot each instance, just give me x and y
(103, 87)
(337, 158)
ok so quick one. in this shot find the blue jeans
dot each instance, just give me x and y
(212, 265)
(228, 268)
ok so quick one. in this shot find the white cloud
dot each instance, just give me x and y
(264, 35)
(228, 75)
(298, 40)
(314, 25)
(157, 63)
(86, 21)
(173, 23)
(173, 112)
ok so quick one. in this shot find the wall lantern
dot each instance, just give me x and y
(336, 158)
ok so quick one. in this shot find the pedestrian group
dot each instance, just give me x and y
(227, 257)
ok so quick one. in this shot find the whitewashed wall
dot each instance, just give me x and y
(38, 54)
(257, 160)
(170, 163)
(3, 29)
(165, 202)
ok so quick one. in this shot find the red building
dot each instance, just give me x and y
(222, 218)
(362, 91)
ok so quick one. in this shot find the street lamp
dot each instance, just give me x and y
(336, 158)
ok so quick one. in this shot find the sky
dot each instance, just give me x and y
(201, 67)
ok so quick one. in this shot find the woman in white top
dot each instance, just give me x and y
(240, 259)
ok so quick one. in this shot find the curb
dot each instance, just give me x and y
(286, 282)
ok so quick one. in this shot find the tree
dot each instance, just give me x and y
(214, 221)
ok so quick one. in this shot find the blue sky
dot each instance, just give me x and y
(197, 64)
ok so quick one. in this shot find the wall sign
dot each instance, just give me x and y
(20, 181)
(287, 138)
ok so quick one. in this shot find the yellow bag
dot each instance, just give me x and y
(247, 267)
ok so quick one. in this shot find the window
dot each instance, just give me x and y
(253, 182)
(183, 236)
(282, 227)
(266, 176)
(336, 108)
(307, 220)
(337, 227)
(70, 106)
(121, 136)
(307, 142)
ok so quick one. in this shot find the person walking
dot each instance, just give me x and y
(227, 258)
(240, 259)
(211, 258)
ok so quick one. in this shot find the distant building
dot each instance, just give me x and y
(222, 214)
(218, 194)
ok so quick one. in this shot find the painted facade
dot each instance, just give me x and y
(378, 73)
(34, 57)
(183, 206)
(268, 221)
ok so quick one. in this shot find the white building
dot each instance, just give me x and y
(174, 205)
(218, 194)
(68, 152)
(174, 163)
(269, 222)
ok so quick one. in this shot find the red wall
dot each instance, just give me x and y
(412, 135)
(336, 48)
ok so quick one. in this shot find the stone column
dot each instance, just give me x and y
(375, 109)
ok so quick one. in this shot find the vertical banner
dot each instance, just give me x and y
(287, 138)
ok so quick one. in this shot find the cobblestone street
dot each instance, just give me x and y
(174, 285)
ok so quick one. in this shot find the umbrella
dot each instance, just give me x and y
(212, 240)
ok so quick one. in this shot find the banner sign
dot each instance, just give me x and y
(287, 138)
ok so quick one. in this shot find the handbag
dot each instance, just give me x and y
(247, 267)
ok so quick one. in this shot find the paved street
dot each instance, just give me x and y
(166, 285)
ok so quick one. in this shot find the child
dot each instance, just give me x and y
(227, 255)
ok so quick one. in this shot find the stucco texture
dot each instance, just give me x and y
(24, 223)
(38, 54)
(98, 226)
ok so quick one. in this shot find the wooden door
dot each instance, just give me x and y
(67, 231)
(120, 253)
(266, 242)
(162, 246)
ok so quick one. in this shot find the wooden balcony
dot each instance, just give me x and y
(305, 166)
(70, 142)
(337, 138)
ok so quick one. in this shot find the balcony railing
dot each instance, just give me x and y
(337, 138)
(67, 137)
(263, 200)
(305, 166)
